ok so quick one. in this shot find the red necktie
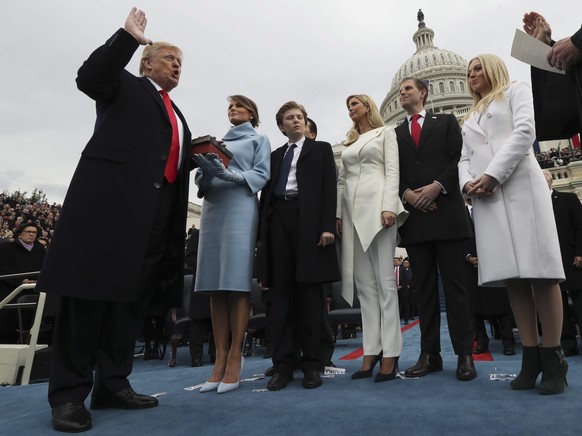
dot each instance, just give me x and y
(396, 274)
(171, 171)
(415, 129)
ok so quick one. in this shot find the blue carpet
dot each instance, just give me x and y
(437, 404)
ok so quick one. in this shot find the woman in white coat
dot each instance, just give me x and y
(515, 231)
(368, 214)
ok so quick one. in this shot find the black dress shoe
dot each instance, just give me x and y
(466, 368)
(279, 381)
(196, 363)
(311, 379)
(509, 350)
(270, 372)
(481, 349)
(426, 363)
(125, 399)
(71, 417)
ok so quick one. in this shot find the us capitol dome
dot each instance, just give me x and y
(445, 71)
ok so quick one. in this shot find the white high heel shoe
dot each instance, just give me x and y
(209, 386)
(227, 387)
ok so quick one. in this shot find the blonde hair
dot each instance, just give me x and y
(150, 51)
(496, 75)
(374, 117)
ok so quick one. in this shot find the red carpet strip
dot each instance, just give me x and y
(360, 351)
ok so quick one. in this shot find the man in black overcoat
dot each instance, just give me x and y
(568, 215)
(296, 251)
(136, 164)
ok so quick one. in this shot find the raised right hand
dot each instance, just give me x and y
(536, 25)
(135, 25)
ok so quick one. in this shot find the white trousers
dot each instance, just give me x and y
(376, 283)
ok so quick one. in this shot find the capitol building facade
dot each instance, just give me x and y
(444, 71)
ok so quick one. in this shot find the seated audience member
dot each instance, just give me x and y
(25, 254)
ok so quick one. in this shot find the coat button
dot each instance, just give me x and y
(157, 185)
(489, 115)
(164, 157)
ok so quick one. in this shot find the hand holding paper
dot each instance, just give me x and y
(532, 51)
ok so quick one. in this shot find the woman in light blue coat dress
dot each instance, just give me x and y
(228, 229)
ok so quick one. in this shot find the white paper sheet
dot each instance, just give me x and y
(532, 51)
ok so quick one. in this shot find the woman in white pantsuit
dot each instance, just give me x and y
(515, 231)
(368, 214)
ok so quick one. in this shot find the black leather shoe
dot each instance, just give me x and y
(311, 379)
(279, 381)
(125, 399)
(481, 349)
(270, 372)
(71, 417)
(426, 363)
(196, 363)
(466, 368)
(509, 350)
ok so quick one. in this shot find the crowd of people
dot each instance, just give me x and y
(396, 186)
(17, 208)
(555, 157)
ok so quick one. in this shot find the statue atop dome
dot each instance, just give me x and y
(420, 18)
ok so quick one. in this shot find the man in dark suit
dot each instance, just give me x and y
(557, 97)
(405, 287)
(297, 252)
(136, 163)
(326, 337)
(436, 228)
(568, 215)
(487, 302)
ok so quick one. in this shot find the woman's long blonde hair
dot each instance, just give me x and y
(496, 75)
(374, 117)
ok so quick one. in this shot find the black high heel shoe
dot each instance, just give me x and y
(368, 372)
(381, 377)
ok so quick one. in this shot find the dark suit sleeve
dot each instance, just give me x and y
(555, 106)
(576, 217)
(99, 75)
(577, 39)
(329, 189)
(449, 178)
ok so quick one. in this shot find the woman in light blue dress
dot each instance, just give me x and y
(228, 230)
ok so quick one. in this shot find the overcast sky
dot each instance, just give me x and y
(316, 52)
